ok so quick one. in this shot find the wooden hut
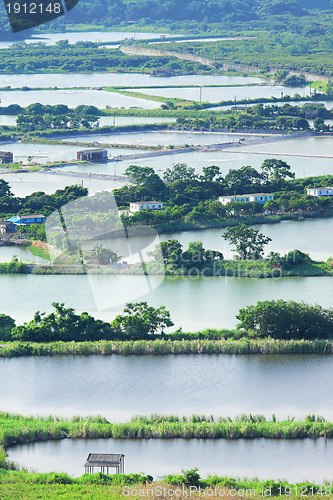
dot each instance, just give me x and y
(105, 461)
(92, 155)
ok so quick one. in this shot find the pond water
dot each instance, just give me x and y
(286, 236)
(23, 184)
(195, 303)
(44, 153)
(119, 387)
(121, 121)
(119, 79)
(303, 166)
(216, 94)
(24, 255)
(92, 36)
(165, 137)
(295, 461)
(309, 146)
(73, 98)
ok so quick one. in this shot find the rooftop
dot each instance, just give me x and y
(92, 150)
(246, 195)
(103, 459)
(33, 216)
(146, 202)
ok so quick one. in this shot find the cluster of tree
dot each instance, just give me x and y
(278, 319)
(47, 109)
(249, 242)
(36, 202)
(224, 13)
(33, 232)
(138, 321)
(192, 198)
(148, 11)
(84, 57)
(295, 81)
(104, 255)
(282, 47)
(30, 123)
(196, 256)
(285, 117)
(282, 319)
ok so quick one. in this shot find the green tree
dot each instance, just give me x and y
(243, 179)
(179, 172)
(6, 326)
(139, 175)
(276, 170)
(171, 252)
(211, 173)
(105, 255)
(64, 325)
(282, 319)
(4, 188)
(249, 242)
(140, 320)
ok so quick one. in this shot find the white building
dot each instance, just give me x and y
(142, 205)
(327, 191)
(261, 198)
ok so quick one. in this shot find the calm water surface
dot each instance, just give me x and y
(43, 153)
(86, 36)
(316, 146)
(266, 459)
(23, 184)
(286, 236)
(215, 94)
(194, 303)
(303, 166)
(119, 387)
(73, 98)
(164, 137)
(120, 79)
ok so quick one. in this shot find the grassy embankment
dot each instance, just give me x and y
(17, 485)
(16, 429)
(191, 344)
(225, 269)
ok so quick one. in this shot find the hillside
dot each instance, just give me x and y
(212, 11)
(190, 15)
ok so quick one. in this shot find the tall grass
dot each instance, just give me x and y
(53, 485)
(16, 429)
(164, 347)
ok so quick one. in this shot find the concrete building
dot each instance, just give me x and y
(317, 192)
(142, 205)
(261, 198)
(6, 157)
(92, 155)
(26, 220)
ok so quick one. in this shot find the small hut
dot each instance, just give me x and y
(104, 461)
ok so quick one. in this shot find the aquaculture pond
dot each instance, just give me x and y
(266, 459)
(119, 387)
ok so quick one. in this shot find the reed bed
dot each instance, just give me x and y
(16, 429)
(20, 484)
(160, 347)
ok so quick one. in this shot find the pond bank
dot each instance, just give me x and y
(166, 347)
